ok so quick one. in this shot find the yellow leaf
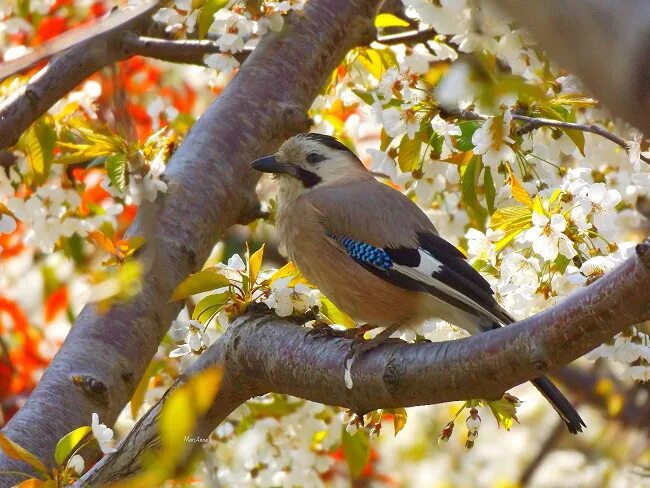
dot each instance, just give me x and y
(205, 280)
(204, 387)
(185, 404)
(518, 191)
(332, 312)
(389, 20)
(288, 269)
(255, 264)
(399, 419)
(15, 451)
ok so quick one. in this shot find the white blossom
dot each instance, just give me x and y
(491, 141)
(103, 435)
(548, 238)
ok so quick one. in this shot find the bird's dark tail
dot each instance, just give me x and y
(560, 403)
(546, 387)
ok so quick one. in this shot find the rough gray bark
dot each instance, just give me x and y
(263, 353)
(606, 44)
(210, 188)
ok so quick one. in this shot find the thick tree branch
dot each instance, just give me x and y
(64, 72)
(210, 188)
(262, 353)
(606, 44)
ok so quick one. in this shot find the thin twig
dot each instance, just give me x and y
(532, 123)
(187, 51)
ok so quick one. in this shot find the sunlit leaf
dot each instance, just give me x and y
(332, 312)
(184, 405)
(205, 280)
(504, 411)
(408, 156)
(117, 169)
(102, 241)
(469, 182)
(15, 451)
(68, 443)
(376, 61)
(513, 220)
(519, 193)
(209, 306)
(255, 264)
(38, 144)
(574, 100)
(389, 20)
(399, 419)
(206, 15)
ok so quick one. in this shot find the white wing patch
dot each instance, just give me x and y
(424, 273)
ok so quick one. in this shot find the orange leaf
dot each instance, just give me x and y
(102, 241)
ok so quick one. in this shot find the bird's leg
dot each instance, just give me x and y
(361, 345)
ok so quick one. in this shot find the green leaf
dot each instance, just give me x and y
(15, 451)
(206, 280)
(389, 20)
(562, 262)
(385, 140)
(364, 95)
(357, 451)
(206, 15)
(38, 143)
(469, 183)
(209, 306)
(490, 190)
(116, 167)
(68, 443)
(467, 129)
(408, 156)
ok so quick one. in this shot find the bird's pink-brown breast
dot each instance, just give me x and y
(305, 228)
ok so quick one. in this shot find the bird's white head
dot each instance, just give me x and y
(309, 161)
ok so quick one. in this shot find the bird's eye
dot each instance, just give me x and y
(313, 158)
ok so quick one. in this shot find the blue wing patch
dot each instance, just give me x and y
(435, 267)
(365, 253)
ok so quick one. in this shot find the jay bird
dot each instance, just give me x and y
(374, 253)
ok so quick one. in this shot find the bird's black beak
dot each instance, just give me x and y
(268, 164)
